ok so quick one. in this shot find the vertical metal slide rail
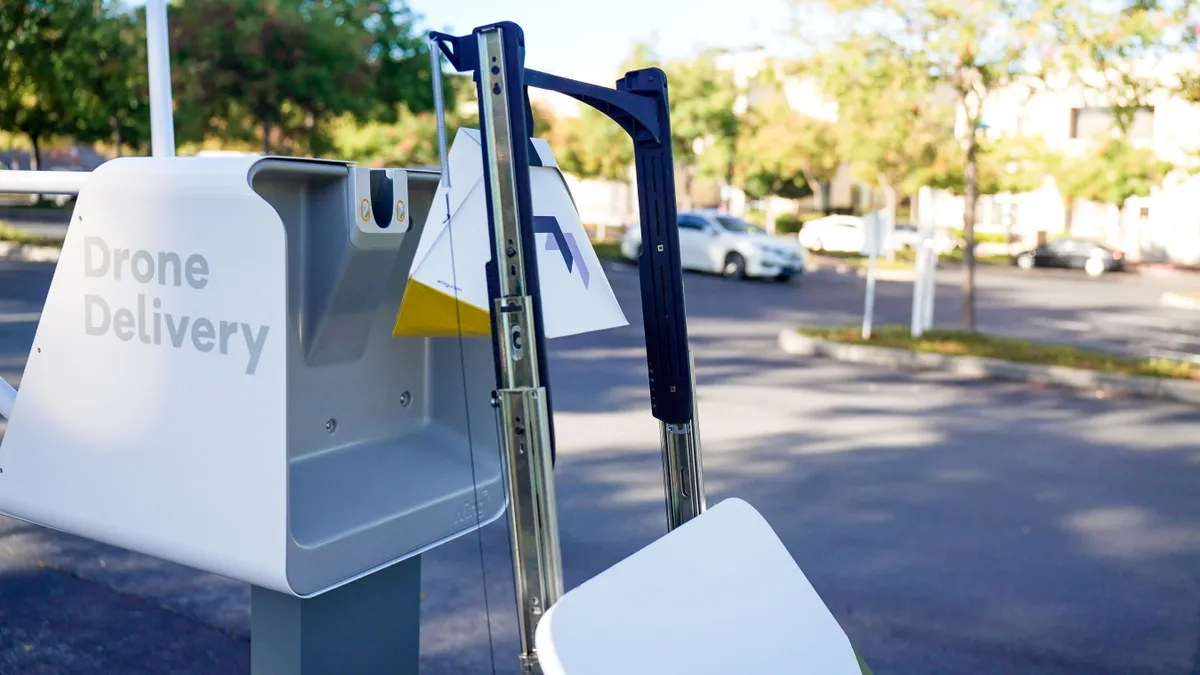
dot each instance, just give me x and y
(516, 317)
(639, 104)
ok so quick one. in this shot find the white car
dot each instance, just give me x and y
(908, 237)
(721, 244)
(844, 234)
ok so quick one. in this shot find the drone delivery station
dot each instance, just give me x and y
(302, 374)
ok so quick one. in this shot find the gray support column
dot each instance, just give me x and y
(368, 627)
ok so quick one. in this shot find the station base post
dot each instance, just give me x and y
(368, 627)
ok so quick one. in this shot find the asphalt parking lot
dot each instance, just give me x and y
(953, 526)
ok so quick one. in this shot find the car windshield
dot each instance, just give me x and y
(739, 226)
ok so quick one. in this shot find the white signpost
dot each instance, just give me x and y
(873, 240)
(924, 283)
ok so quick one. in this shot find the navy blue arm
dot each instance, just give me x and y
(640, 105)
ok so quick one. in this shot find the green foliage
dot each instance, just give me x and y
(1007, 164)
(591, 146)
(1110, 173)
(409, 140)
(280, 70)
(117, 82)
(47, 56)
(783, 152)
(702, 109)
(755, 217)
(702, 99)
(788, 223)
(981, 237)
(891, 126)
(9, 233)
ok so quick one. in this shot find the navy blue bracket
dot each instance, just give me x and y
(639, 105)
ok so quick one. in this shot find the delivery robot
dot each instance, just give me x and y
(264, 368)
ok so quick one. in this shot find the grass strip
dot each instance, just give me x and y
(956, 343)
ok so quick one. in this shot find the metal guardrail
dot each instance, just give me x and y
(43, 182)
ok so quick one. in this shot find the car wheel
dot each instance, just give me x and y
(1025, 261)
(1094, 267)
(735, 266)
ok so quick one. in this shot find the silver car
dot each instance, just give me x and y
(721, 244)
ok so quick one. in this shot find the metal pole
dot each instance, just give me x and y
(930, 286)
(869, 310)
(371, 626)
(918, 289)
(158, 53)
(522, 399)
(683, 473)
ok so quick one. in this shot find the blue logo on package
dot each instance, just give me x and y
(563, 242)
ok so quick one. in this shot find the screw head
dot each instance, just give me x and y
(330, 425)
(405, 399)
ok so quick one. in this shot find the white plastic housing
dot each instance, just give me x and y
(214, 379)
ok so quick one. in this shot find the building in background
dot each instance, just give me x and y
(1161, 227)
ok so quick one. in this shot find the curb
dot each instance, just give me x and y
(28, 253)
(1072, 378)
(1180, 301)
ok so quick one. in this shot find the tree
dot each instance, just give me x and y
(117, 83)
(974, 48)
(281, 70)
(892, 127)
(411, 139)
(45, 56)
(1109, 173)
(1006, 164)
(703, 121)
(786, 153)
(592, 146)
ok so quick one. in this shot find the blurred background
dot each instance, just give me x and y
(1048, 118)
(953, 524)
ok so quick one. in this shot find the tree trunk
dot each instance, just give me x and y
(971, 196)
(35, 162)
(820, 199)
(826, 196)
(1069, 210)
(687, 188)
(266, 131)
(116, 127)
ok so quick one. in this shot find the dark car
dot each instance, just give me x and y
(1093, 258)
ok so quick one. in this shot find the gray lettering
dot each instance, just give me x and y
(90, 327)
(123, 324)
(202, 332)
(228, 330)
(139, 257)
(157, 322)
(94, 270)
(255, 346)
(197, 271)
(165, 258)
(121, 255)
(176, 332)
(141, 320)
